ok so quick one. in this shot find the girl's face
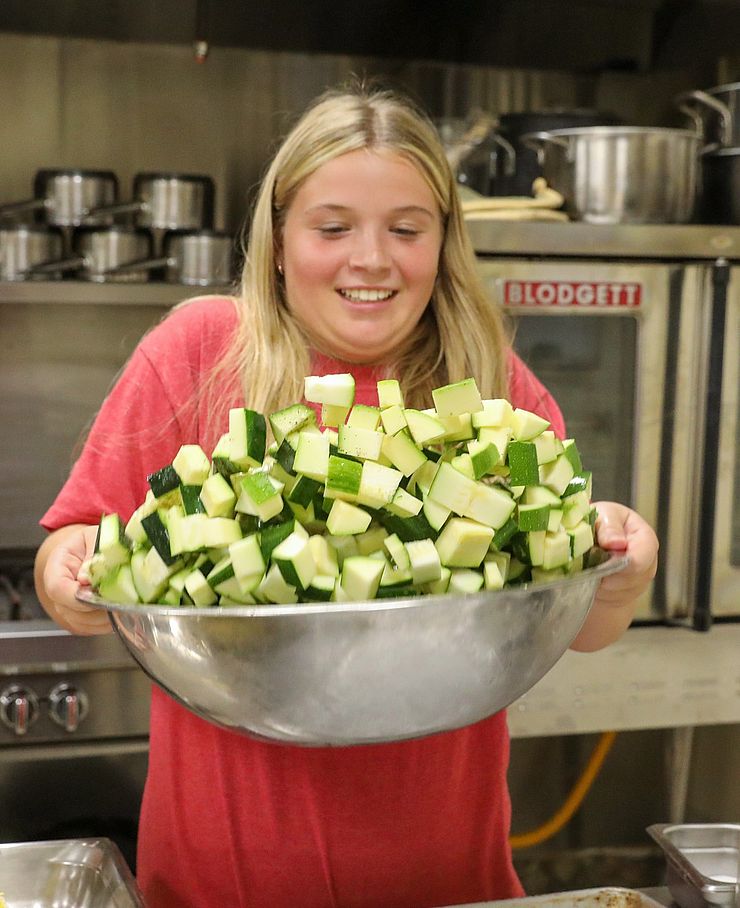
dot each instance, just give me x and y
(360, 252)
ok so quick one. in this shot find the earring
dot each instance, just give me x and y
(280, 267)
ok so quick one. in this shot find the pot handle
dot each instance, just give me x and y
(94, 214)
(509, 153)
(13, 208)
(688, 102)
(140, 265)
(59, 265)
(537, 141)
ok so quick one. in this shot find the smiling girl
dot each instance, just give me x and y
(358, 261)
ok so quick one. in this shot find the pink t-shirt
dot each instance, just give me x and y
(232, 822)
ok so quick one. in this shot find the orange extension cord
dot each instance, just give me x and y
(574, 799)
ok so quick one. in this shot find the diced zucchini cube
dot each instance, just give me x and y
(452, 489)
(556, 551)
(217, 496)
(389, 393)
(465, 581)
(533, 517)
(274, 588)
(402, 452)
(332, 416)
(426, 566)
(295, 559)
(337, 389)
(522, 460)
(378, 484)
(363, 417)
(548, 446)
(312, 455)
(463, 543)
(246, 557)
(497, 413)
(192, 465)
(358, 442)
(259, 496)
(393, 419)
(490, 505)
(346, 519)
(290, 419)
(424, 429)
(361, 577)
(324, 555)
(581, 539)
(460, 397)
(527, 425)
(343, 478)
(247, 437)
(556, 475)
(199, 589)
(403, 504)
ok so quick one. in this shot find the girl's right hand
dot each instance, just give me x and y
(57, 574)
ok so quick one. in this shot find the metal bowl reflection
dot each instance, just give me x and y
(362, 672)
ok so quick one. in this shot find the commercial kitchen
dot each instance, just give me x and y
(621, 274)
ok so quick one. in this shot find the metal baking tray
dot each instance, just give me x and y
(607, 897)
(703, 862)
(73, 873)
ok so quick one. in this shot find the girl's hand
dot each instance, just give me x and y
(57, 572)
(619, 529)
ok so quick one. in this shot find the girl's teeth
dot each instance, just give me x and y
(367, 296)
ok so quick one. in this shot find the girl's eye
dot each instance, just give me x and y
(332, 229)
(406, 231)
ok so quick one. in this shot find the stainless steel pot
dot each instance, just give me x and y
(202, 258)
(103, 255)
(622, 174)
(65, 198)
(715, 112)
(168, 201)
(502, 178)
(23, 246)
(720, 199)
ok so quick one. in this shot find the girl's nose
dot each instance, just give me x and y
(369, 253)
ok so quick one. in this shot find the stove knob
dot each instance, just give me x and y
(19, 708)
(67, 706)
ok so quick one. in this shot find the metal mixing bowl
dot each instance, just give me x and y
(361, 672)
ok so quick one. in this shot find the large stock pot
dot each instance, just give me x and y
(622, 174)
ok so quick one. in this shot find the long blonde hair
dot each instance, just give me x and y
(461, 333)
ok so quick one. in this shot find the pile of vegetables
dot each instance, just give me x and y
(370, 502)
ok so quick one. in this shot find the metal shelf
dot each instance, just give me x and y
(87, 293)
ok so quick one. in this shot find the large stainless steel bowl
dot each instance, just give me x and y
(362, 672)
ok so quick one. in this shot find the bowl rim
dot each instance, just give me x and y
(613, 562)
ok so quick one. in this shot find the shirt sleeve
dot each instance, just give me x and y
(136, 431)
(528, 392)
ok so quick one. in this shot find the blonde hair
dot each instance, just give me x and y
(461, 333)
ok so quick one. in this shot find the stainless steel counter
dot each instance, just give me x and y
(653, 677)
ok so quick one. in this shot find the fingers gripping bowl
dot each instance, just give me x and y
(360, 672)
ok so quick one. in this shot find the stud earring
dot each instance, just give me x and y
(280, 267)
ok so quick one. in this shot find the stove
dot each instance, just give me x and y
(74, 718)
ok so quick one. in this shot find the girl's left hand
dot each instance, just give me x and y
(620, 529)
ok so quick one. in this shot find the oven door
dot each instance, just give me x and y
(73, 790)
(620, 347)
(722, 523)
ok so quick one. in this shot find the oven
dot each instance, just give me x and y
(74, 711)
(634, 329)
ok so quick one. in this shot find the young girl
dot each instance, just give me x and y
(358, 261)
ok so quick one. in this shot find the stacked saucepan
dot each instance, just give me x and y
(716, 113)
(72, 225)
